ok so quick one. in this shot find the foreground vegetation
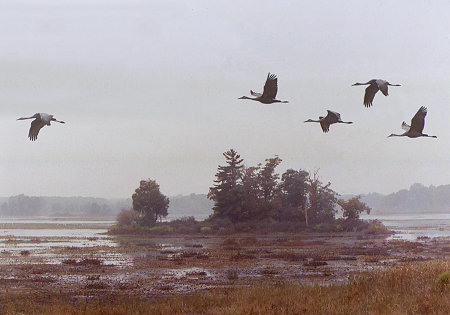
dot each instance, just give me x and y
(189, 225)
(420, 288)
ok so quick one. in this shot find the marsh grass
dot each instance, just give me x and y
(406, 289)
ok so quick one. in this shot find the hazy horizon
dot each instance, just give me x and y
(149, 89)
(205, 193)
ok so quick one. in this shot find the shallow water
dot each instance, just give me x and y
(412, 226)
(60, 232)
(48, 220)
(51, 241)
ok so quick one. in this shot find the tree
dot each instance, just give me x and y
(321, 201)
(293, 188)
(268, 192)
(227, 192)
(149, 202)
(267, 178)
(250, 192)
(353, 207)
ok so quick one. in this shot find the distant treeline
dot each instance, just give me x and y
(197, 205)
(418, 199)
(29, 206)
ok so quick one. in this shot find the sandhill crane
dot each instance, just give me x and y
(40, 120)
(269, 94)
(329, 119)
(417, 124)
(372, 89)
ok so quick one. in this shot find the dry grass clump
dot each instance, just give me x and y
(193, 245)
(366, 251)
(242, 256)
(232, 274)
(249, 241)
(315, 263)
(83, 262)
(268, 271)
(407, 245)
(406, 289)
(286, 255)
(231, 244)
(97, 285)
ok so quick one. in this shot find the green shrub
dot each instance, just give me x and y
(185, 225)
(205, 230)
(376, 227)
(443, 281)
(324, 227)
(161, 229)
(127, 217)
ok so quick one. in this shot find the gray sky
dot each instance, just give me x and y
(149, 89)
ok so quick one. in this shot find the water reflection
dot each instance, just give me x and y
(52, 241)
(413, 226)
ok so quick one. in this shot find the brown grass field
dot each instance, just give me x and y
(301, 273)
(412, 288)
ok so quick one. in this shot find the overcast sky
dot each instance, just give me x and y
(149, 89)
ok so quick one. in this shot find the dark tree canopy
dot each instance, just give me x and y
(294, 187)
(353, 207)
(227, 191)
(257, 194)
(268, 179)
(321, 201)
(250, 187)
(149, 202)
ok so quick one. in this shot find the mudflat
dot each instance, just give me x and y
(153, 267)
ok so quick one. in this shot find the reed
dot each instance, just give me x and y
(414, 288)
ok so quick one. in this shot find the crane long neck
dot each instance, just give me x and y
(249, 98)
(369, 82)
(23, 118)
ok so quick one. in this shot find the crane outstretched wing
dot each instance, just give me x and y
(325, 125)
(418, 121)
(405, 126)
(371, 90)
(255, 93)
(333, 116)
(384, 89)
(271, 87)
(36, 125)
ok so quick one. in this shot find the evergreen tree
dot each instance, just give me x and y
(227, 192)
